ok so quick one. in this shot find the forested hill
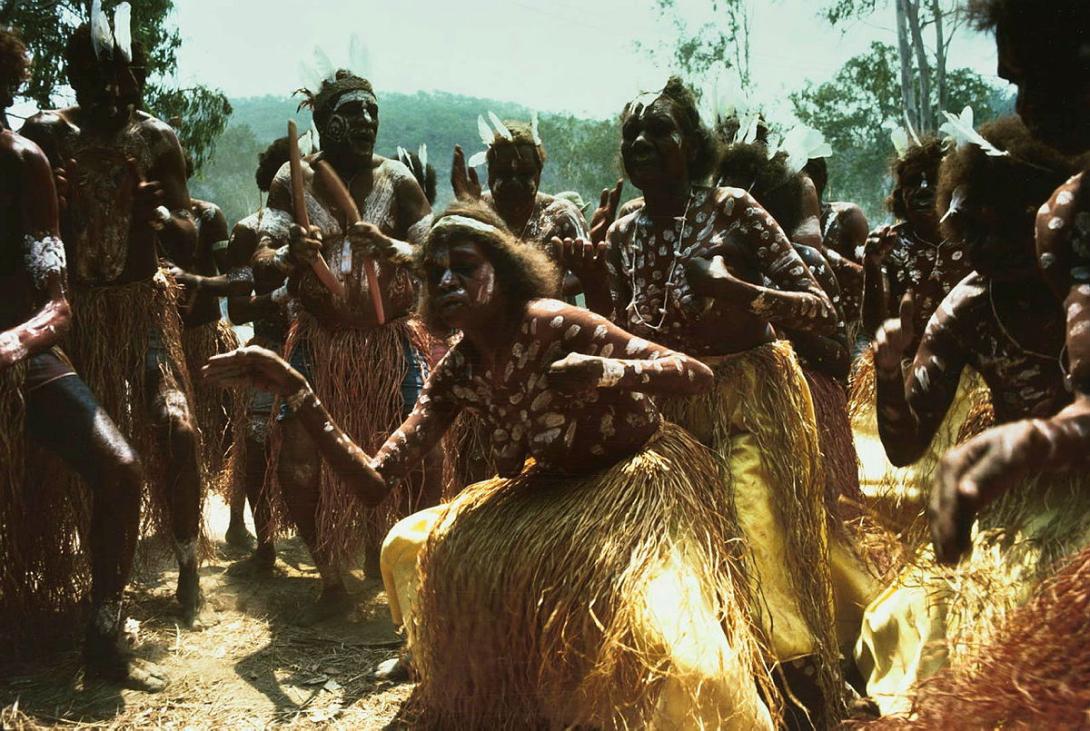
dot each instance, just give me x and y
(582, 154)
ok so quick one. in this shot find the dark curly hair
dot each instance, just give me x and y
(748, 166)
(79, 55)
(14, 61)
(818, 170)
(269, 161)
(700, 140)
(1013, 187)
(521, 134)
(523, 271)
(922, 159)
(1056, 20)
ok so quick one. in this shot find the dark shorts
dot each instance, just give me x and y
(44, 368)
(411, 386)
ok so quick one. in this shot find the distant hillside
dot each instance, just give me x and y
(582, 154)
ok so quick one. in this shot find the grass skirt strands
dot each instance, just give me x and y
(357, 375)
(613, 600)
(935, 616)
(1033, 673)
(470, 455)
(221, 414)
(44, 572)
(843, 495)
(898, 495)
(112, 329)
(759, 419)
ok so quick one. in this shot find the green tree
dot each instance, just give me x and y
(857, 109)
(720, 42)
(198, 113)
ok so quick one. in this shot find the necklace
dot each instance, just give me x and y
(1059, 359)
(679, 235)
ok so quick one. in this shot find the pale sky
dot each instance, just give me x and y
(557, 55)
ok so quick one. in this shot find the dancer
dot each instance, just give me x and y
(368, 372)
(125, 173)
(631, 614)
(44, 402)
(689, 269)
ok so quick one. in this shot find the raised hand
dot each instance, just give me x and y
(305, 246)
(254, 366)
(895, 337)
(190, 285)
(576, 374)
(582, 258)
(879, 243)
(606, 212)
(147, 198)
(368, 240)
(463, 179)
(969, 477)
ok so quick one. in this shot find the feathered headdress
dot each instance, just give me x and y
(323, 81)
(495, 131)
(801, 145)
(103, 39)
(960, 132)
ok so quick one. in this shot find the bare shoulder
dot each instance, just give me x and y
(160, 135)
(395, 170)
(623, 225)
(969, 296)
(1055, 218)
(47, 127)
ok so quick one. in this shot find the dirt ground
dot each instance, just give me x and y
(248, 668)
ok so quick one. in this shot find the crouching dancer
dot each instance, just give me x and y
(601, 565)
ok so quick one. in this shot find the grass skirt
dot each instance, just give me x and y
(1035, 671)
(357, 375)
(759, 418)
(935, 616)
(550, 601)
(108, 343)
(44, 572)
(897, 496)
(220, 413)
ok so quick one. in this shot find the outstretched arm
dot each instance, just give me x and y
(43, 259)
(605, 356)
(373, 478)
(795, 300)
(875, 286)
(913, 403)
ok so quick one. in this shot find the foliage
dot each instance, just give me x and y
(582, 154)
(857, 109)
(720, 42)
(201, 113)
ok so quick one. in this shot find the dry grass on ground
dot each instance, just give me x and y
(249, 668)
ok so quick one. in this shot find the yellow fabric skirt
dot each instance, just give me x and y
(933, 616)
(612, 600)
(759, 419)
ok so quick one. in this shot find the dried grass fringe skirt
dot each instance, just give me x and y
(611, 600)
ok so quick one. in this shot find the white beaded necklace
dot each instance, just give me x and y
(679, 235)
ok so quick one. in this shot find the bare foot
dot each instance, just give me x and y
(260, 563)
(105, 659)
(237, 536)
(334, 602)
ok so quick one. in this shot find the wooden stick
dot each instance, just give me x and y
(335, 187)
(299, 206)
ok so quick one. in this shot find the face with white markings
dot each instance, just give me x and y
(461, 283)
(653, 144)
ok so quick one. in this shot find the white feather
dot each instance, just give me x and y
(123, 30)
(900, 141)
(422, 153)
(306, 144)
(748, 127)
(501, 128)
(314, 138)
(479, 159)
(487, 135)
(960, 129)
(803, 144)
(102, 38)
(309, 77)
(325, 67)
(957, 201)
(535, 130)
(359, 59)
(405, 158)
